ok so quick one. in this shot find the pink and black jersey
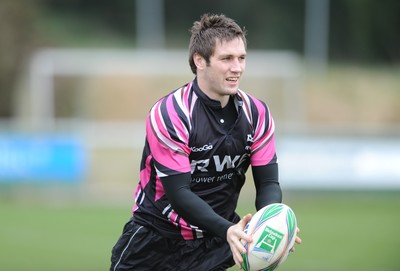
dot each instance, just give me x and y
(185, 133)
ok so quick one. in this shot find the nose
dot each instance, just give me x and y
(238, 65)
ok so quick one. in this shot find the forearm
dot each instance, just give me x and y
(191, 207)
(266, 179)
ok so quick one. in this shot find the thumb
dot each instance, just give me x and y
(246, 218)
(243, 222)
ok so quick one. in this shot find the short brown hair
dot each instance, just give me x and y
(207, 31)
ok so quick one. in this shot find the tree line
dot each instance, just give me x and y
(360, 31)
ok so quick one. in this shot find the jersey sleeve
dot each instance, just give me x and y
(167, 133)
(263, 150)
(267, 185)
(191, 207)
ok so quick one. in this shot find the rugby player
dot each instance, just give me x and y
(200, 141)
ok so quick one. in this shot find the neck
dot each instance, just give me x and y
(223, 99)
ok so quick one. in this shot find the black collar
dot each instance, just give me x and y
(210, 102)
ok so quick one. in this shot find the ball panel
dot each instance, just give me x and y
(291, 222)
(245, 263)
(269, 212)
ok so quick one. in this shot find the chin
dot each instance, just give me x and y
(232, 91)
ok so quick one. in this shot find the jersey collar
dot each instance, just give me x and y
(208, 101)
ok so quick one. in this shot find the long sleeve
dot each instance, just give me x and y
(267, 185)
(191, 207)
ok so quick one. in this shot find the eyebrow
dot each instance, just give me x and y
(230, 55)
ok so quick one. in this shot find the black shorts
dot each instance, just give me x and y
(140, 248)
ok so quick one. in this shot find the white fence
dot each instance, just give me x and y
(339, 162)
(305, 162)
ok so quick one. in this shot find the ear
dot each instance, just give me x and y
(199, 61)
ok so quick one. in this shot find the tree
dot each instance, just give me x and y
(16, 27)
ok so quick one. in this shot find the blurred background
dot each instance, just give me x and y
(77, 78)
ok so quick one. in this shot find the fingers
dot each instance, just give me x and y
(243, 222)
(237, 257)
(298, 239)
(235, 244)
(237, 238)
(235, 235)
(246, 219)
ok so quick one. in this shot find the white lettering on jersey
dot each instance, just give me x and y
(200, 165)
(204, 148)
(219, 166)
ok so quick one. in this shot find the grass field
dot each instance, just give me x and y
(340, 231)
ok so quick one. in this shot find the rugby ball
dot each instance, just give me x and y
(273, 229)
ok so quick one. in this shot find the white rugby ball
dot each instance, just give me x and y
(273, 229)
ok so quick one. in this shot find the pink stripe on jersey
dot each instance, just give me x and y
(263, 149)
(159, 189)
(265, 154)
(262, 133)
(173, 217)
(260, 129)
(246, 106)
(156, 120)
(185, 95)
(186, 230)
(181, 97)
(169, 152)
(179, 127)
(145, 173)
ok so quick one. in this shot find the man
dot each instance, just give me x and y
(200, 141)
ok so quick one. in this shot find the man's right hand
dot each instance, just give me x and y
(234, 236)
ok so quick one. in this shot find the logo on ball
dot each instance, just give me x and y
(268, 242)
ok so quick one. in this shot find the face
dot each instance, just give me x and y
(221, 77)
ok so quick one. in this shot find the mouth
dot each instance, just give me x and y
(232, 79)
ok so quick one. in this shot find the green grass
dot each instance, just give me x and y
(41, 237)
(340, 231)
(347, 231)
